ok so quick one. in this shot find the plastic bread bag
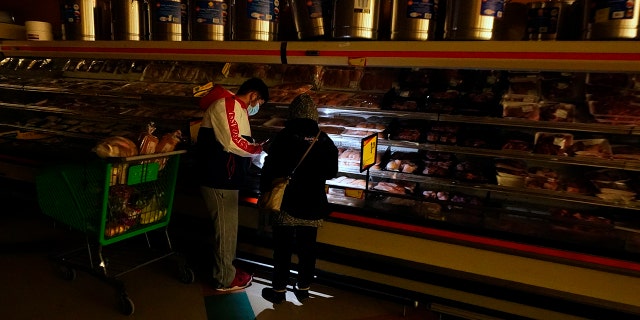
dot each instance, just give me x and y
(116, 146)
(169, 141)
(147, 140)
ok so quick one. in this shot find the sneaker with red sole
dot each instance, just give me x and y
(240, 281)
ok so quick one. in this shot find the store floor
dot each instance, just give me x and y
(31, 287)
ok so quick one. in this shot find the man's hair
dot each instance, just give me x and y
(255, 84)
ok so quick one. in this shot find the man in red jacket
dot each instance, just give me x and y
(224, 150)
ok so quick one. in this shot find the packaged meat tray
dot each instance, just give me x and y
(557, 112)
(377, 79)
(335, 121)
(348, 182)
(358, 133)
(517, 141)
(330, 98)
(364, 100)
(397, 187)
(521, 110)
(157, 71)
(562, 87)
(620, 80)
(437, 164)
(406, 162)
(542, 178)
(369, 126)
(552, 143)
(349, 157)
(183, 72)
(620, 110)
(525, 83)
(591, 148)
(625, 152)
(407, 130)
(341, 78)
(285, 93)
(471, 171)
(301, 73)
(443, 134)
(331, 129)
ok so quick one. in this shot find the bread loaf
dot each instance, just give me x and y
(116, 146)
(168, 142)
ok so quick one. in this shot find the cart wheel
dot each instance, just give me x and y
(126, 305)
(186, 275)
(67, 273)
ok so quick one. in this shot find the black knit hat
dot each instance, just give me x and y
(303, 107)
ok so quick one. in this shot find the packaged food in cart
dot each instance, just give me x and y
(147, 140)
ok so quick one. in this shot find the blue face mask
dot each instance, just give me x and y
(253, 110)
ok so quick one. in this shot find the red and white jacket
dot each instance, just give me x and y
(229, 119)
(223, 149)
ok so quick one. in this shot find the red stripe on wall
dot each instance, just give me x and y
(142, 50)
(496, 55)
(475, 55)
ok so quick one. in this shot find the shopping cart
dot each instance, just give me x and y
(123, 206)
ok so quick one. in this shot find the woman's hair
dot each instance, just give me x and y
(257, 85)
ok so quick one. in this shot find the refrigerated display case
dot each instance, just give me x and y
(500, 163)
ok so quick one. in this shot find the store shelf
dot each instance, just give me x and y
(31, 107)
(510, 122)
(53, 132)
(521, 155)
(485, 187)
(622, 164)
(583, 56)
(511, 55)
(241, 51)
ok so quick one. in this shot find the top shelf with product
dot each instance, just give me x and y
(582, 56)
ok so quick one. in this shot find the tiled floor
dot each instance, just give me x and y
(32, 289)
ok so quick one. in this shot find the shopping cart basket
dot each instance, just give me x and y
(112, 201)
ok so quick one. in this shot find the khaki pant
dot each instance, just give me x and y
(222, 206)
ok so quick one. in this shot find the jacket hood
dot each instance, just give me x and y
(216, 93)
(302, 125)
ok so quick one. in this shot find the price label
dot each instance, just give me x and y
(225, 69)
(368, 151)
(354, 193)
(357, 62)
(202, 90)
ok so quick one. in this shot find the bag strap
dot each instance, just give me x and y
(306, 152)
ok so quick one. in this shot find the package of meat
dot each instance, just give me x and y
(557, 112)
(521, 110)
(397, 187)
(591, 148)
(147, 140)
(552, 143)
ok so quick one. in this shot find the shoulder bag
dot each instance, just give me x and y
(271, 200)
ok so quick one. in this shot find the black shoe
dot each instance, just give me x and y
(301, 294)
(273, 296)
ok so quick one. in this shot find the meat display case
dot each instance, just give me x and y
(507, 234)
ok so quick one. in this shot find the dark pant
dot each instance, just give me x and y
(290, 240)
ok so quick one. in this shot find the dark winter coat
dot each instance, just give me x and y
(305, 196)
